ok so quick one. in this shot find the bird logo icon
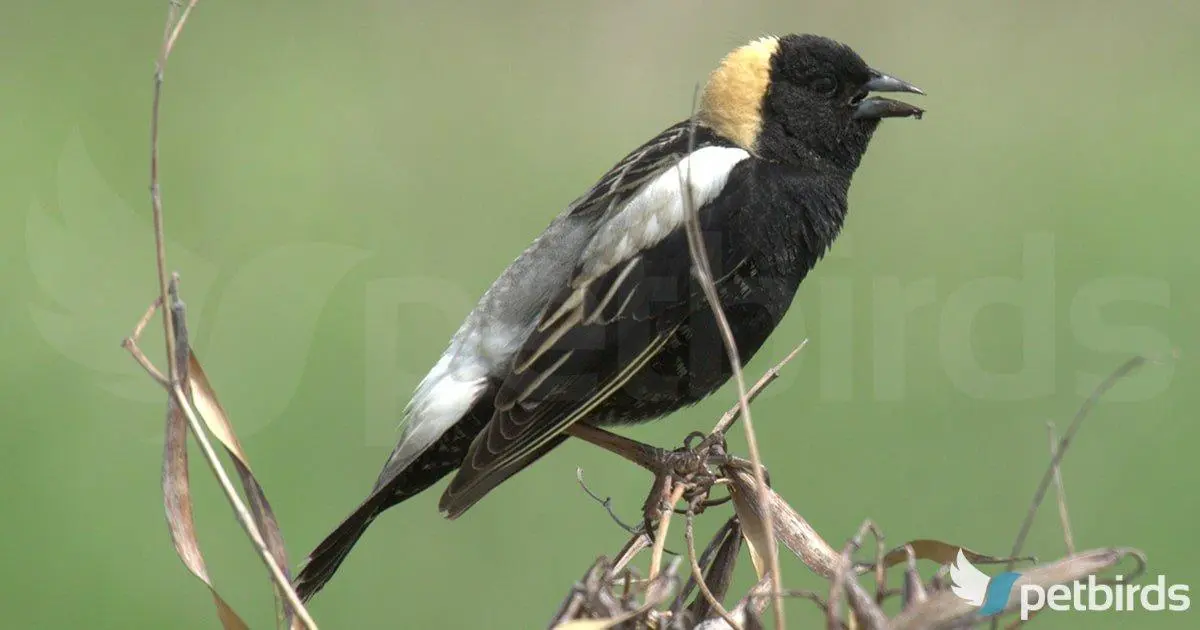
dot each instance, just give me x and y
(970, 584)
(254, 320)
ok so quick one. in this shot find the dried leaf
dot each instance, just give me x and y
(578, 593)
(204, 399)
(188, 387)
(945, 609)
(750, 515)
(658, 591)
(728, 541)
(790, 528)
(940, 552)
(177, 500)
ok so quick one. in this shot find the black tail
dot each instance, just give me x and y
(324, 561)
(442, 458)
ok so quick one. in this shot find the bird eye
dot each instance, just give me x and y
(824, 85)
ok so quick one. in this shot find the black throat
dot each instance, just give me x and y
(791, 216)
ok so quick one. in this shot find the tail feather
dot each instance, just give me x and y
(324, 561)
(438, 460)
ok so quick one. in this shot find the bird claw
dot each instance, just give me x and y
(694, 464)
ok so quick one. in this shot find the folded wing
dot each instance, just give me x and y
(628, 295)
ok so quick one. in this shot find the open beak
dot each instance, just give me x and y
(877, 107)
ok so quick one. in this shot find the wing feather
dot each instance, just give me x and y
(628, 295)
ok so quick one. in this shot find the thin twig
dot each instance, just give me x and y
(1039, 495)
(914, 589)
(722, 548)
(173, 34)
(1121, 372)
(144, 361)
(837, 582)
(175, 22)
(767, 378)
(881, 588)
(635, 545)
(605, 503)
(864, 611)
(130, 344)
(660, 537)
(704, 275)
(136, 335)
(171, 30)
(1063, 516)
(800, 593)
(698, 574)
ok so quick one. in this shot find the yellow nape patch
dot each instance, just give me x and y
(732, 100)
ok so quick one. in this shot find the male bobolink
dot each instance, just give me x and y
(600, 319)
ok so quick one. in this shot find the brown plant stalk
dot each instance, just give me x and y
(704, 275)
(176, 356)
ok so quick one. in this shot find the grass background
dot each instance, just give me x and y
(343, 179)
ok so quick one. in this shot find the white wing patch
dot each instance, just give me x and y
(968, 582)
(446, 394)
(658, 209)
(482, 348)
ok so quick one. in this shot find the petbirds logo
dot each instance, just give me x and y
(990, 594)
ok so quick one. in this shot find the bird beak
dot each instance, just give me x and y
(877, 107)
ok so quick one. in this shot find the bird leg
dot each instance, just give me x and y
(680, 463)
(692, 465)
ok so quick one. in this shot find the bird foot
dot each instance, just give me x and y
(697, 465)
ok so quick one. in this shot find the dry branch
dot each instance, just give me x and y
(192, 405)
(926, 603)
(703, 272)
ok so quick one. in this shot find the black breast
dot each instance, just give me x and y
(771, 225)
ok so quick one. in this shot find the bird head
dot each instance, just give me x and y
(801, 99)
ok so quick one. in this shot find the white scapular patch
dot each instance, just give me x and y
(659, 208)
(488, 340)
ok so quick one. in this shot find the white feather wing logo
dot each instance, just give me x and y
(968, 582)
(253, 322)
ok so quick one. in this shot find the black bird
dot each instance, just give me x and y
(600, 320)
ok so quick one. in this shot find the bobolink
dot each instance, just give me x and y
(600, 320)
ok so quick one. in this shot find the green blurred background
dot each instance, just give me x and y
(342, 180)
